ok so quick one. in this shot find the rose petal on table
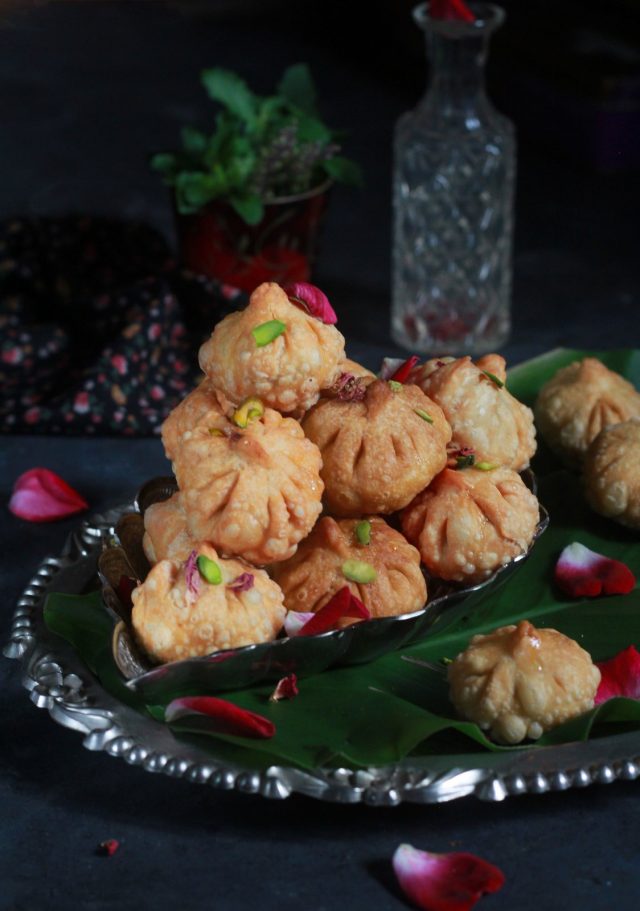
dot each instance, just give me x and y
(225, 717)
(313, 300)
(444, 882)
(342, 604)
(620, 676)
(286, 688)
(581, 572)
(109, 847)
(40, 495)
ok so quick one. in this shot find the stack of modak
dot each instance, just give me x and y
(590, 417)
(283, 428)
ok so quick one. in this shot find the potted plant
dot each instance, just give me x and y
(250, 196)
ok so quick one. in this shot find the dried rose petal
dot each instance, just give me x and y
(192, 575)
(444, 882)
(349, 388)
(620, 676)
(124, 589)
(109, 847)
(286, 688)
(402, 373)
(342, 604)
(581, 573)
(40, 495)
(242, 583)
(225, 717)
(295, 620)
(313, 300)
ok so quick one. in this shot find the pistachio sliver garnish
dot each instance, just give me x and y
(394, 385)
(358, 571)
(494, 379)
(424, 415)
(209, 570)
(363, 532)
(216, 432)
(265, 333)
(251, 409)
(486, 466)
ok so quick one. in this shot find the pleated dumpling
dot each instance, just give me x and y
(253, 491)
(483, 414)
(611, 473)
(195, 407)
(384, 574)
(165, 531)
(379, 449)
(179, 613)
(469, 523)
(275, 350)
(578, 402)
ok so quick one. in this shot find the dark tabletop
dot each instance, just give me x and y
(87, 91)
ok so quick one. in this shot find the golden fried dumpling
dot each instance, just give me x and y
(578, 402)
(287, 373)
(483, 414)
(251, 491)
(194, 408)
(332, 557)
(519, 681)
(378, 449)
(165, 531)
(611, 473)
(179, 614)
(468, 523)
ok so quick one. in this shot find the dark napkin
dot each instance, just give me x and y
(99, 327)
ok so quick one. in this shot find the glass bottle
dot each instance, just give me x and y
(453, 188)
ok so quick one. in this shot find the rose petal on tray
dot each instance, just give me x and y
(343, 604)
(581, 572)
(225, 717)
(286, 688)
(444, 882)
(40, 495)
(620, 676)
(313, 300)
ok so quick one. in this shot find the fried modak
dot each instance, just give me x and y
(384, 573)
(578, 402)
(379, 447)
(275, 350)
(468, 522)
(483, 414)
(180, 611)
(165, 531)
(250, 484)
(195, 407)
(611, 473)
(518, 681)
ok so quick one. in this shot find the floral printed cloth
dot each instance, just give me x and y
(99, 329)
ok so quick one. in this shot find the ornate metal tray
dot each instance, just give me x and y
(59, 682)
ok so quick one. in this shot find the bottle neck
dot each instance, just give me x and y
(455, 87)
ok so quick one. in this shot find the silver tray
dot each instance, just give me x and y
(59, 681)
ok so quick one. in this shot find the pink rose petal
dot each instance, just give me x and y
(192, 575)
(286, 688)
(224, 717)
(313, 300)
(620, 676)
(342, 604)
(444, 882)
(295, 620)
(39, 495)
(242, 583)
(581, 572)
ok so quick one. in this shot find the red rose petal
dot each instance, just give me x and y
(109, 847)
(286, 688)
(620, 676)
(451, 9)
(581, 572)
(313, 300)
(342, 604)
(295, 620)
(402, 373)
(39, 495)
(225, 717)
(444, 882)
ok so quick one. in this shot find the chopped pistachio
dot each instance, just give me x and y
(216, 432)
(424, 415)
(465, 461)
(363, 532)
(358, 571)
(495, 379)
(486, 466)
(394, 385)
(209, 570)
(265, 333)
(251, 409)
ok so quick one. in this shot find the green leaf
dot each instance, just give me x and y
(194, 142)
(298, 88)
(195, 189)
(250, 208)
(232, 92)
(312, 129)
(165, 163)
(343, 170)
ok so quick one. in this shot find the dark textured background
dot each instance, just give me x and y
(87, 91)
